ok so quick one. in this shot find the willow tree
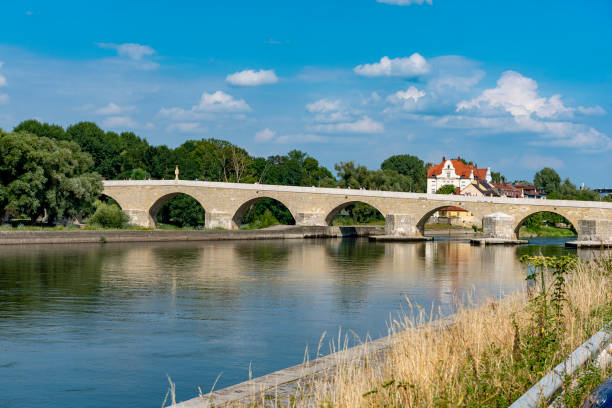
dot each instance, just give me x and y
(39, 175)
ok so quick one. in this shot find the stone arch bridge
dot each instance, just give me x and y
(405, 213)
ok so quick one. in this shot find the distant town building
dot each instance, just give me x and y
(455, 216)
(508, 190)
(479, 188)
(530, 191)
(456, 173)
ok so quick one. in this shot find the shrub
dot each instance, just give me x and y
(109, 216)
(447, 189)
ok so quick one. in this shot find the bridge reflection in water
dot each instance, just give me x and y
(100, 325)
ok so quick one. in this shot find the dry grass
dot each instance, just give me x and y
(481, 359)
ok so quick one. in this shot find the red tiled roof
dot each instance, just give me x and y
(462, 170)
(506, 187)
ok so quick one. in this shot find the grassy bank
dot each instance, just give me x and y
(490, 355)
(546, 231)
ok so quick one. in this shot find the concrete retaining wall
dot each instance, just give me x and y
(97, 236)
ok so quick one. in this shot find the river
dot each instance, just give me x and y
(101, 325)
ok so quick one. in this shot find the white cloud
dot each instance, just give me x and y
(328, 111)
(407, 98)
(515, 106)
(323, 106)
(264, 135)
(131, 50)
(517, 95)
(218, 102)
(221, 102)
(2, 77)
(4, 98)
(113, 109)
(119, 121)
(186, 127)
(412, 66)
(593, 110)
(364, 125)
(250, 77)
(405, 2)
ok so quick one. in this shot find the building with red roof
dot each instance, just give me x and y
(455, 172)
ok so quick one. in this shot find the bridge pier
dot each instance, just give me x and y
(498, 225)
(216, 219)
(141, 218)
(595, 230)
(403, 225)
(310, 219)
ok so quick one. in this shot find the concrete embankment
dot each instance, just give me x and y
(93, 236)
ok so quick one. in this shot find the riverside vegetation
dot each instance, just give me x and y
(488, 355)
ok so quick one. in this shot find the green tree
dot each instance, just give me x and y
(42, 129)
(409, 166)
(496, 177)
(182, 211)
(447, 189)
(548, 180)
(39, 175)
(109, 216)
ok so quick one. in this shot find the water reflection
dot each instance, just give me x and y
(99, 325)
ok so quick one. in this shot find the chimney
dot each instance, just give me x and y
(443, 158)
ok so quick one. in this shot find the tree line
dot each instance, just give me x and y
(52, 172)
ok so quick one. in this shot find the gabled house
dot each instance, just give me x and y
(456, 173)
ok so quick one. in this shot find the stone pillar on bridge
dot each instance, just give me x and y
(310, 219)
(498, 225)
(217, 219)
(142, 218)
(403, 225)
(595, 230)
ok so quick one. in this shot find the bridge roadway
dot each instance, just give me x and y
(405, 213)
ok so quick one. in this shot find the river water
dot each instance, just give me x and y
(101, 325)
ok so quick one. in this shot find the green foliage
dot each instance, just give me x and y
(578, 386)
(447, 189)
(39, 175)
(267, 212)
(182, 211)
(496, 177)
(409, 166)
(357, 176)
(546, 218)
(358, 213)
(109, 216)
(548, 180)
(540, 343)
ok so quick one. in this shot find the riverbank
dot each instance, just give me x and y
(488, 356)
(97, 236)
(545, 231)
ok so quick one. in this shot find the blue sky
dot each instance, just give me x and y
(512, 85)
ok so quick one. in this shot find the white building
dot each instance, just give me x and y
(455, 173)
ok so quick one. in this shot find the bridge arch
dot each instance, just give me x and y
(105, 197)
(249, 205)
(572, 223)
(422, 220)
(157, 205)
(331, 215)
